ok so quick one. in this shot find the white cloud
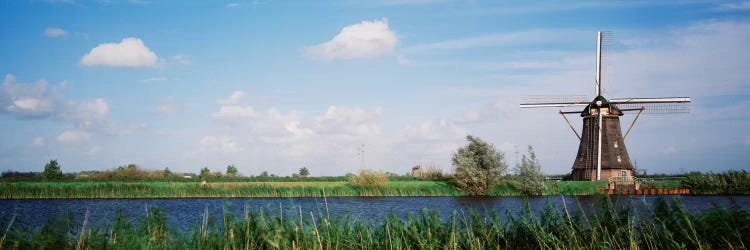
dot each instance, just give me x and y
(434, 130)
(54, 32)
(348, 122)
(231, 111)
(38, 141)
(233, 5)
(33, 100)
(169, 106)
(736, 6)
(222, 144)
(506, 39)
(86, 113)
(154, 79)
(182, 59)
(234, 113)
(367, 39)
(235, 98)
(130, 52)
(73, 136)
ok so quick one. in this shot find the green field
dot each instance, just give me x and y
(308, 188)
(668, 226)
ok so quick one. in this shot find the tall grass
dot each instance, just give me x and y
(666, 226)
(732, 182)
(19, 190)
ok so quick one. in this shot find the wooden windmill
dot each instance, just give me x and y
(601, 152)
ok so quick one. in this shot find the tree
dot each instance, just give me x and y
(52, 171)
(167, 174)
(231, 170)
(478, 166)
(304, 172)
(205, 173)
(531, 178)
(263, 174)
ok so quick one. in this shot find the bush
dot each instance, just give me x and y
(478, 166)
(531, 179)
(369, 178)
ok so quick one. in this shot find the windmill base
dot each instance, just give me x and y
(590, 174)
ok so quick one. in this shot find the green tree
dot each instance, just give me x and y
(531, 178)
(167, 173)
(304, 172)
(52, 171)
(205, 173)
(263, 174)
(478, 166)
(232, 170)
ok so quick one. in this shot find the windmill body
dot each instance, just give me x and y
(602, 154)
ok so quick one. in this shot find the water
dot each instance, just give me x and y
(187, 213)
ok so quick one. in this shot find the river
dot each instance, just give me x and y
(187, 213)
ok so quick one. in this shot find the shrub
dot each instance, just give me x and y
(531, 179)
(368, 178)
(478, 166)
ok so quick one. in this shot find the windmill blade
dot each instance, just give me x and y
(649, 100)
(656, 108)
(546, 101)
(659, 105)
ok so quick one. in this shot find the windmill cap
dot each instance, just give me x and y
(601, 102)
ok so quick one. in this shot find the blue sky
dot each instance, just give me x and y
(278, 85)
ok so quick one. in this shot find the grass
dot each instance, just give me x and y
(307, 188)
(667, 225)
(34, 190)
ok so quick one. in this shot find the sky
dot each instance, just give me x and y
(279, 85)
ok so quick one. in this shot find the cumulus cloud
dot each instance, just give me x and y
(231, 109)
(54, 32)
(74, 136)
(349, 122)
(25, 100)
(222, 144)
(235, 98)
(86, 113)
(367, 39)
(130, 52)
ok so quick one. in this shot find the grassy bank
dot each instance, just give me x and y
(22, 190)
(307, 188)
(667, 226)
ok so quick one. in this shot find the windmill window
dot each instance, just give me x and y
(619, 159)
(615, 143)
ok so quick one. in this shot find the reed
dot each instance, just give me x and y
(40, 190)
(666, 225)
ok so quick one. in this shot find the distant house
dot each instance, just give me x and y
(187, 177)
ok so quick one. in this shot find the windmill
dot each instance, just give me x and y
(602, 153)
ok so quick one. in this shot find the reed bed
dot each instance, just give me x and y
(41, 190)
(667, 225)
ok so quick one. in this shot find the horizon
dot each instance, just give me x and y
(276, 86)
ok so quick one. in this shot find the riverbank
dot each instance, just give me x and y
(155, 189)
